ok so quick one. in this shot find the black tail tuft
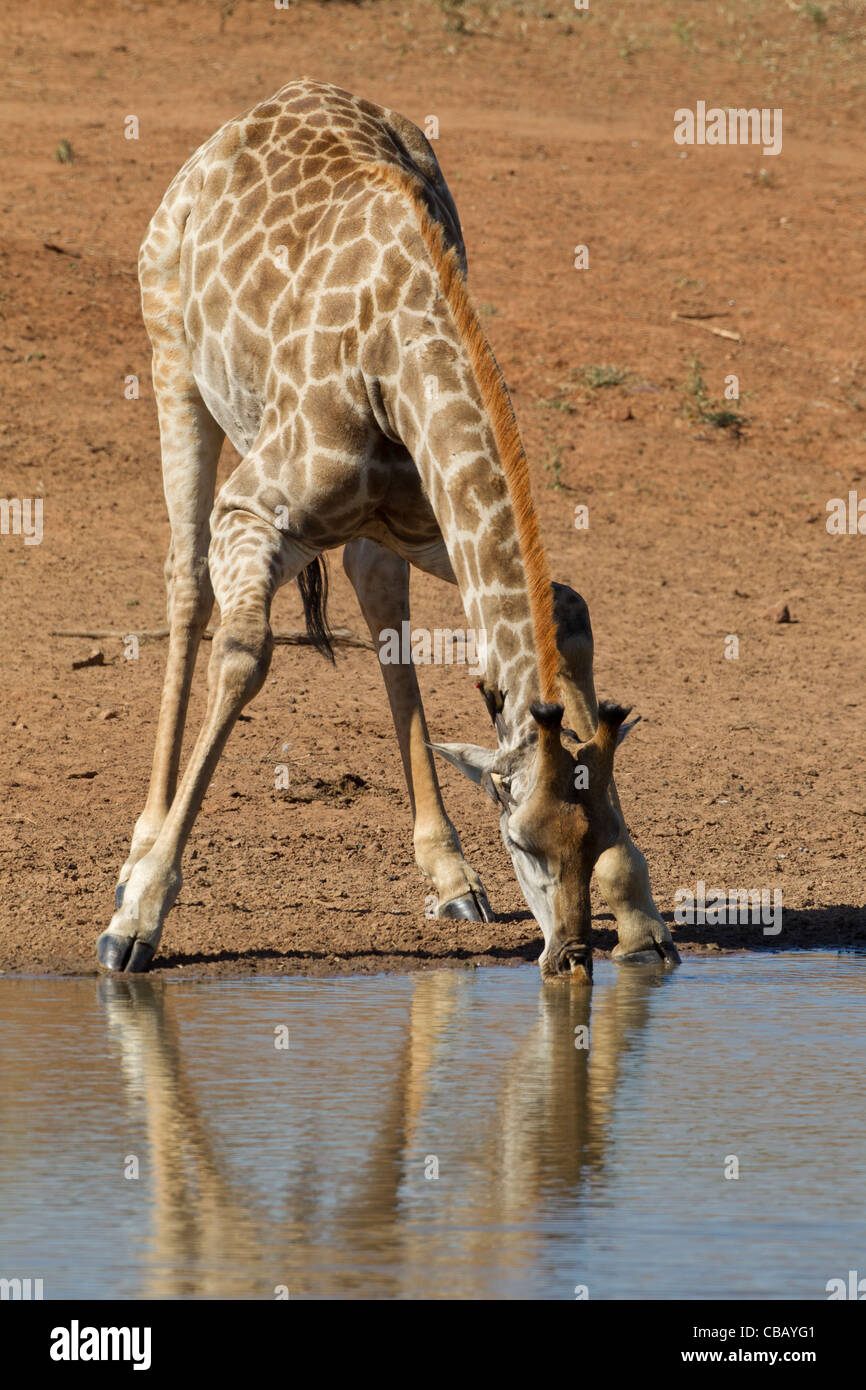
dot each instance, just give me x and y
(313, 586)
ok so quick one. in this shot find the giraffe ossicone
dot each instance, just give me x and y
(303, 284)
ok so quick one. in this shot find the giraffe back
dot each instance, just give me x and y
(271, 254)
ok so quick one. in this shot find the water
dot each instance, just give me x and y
(306, 1166)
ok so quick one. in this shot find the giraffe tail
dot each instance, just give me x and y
(313, 587)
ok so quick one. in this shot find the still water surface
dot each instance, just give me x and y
(306, 1166)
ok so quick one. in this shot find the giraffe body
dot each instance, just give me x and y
(289, 261)
(303, 285)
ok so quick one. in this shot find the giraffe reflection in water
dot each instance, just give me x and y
(340, 1206)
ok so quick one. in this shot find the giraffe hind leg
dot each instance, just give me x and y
(381, 581)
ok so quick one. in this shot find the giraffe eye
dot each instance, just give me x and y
(502, 788)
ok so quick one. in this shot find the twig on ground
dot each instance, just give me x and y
(290, 637)
(707, 327)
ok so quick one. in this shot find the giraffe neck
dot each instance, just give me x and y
(466, 483)
(448, 403)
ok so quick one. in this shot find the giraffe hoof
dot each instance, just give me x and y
(112, 952)
(664, 951)
(668, 952)
(141, 956)
(472, 907)
(123, 953)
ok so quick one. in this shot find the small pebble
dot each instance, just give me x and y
(96, 657)
(779, 613)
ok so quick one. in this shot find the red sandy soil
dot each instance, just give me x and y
(555, 129)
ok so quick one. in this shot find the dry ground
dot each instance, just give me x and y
(555, 129)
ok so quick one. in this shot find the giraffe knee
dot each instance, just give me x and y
(189, 593)
(242, 650)
(573, 631)
(622, 872)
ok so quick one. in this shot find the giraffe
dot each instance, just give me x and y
(303, 285)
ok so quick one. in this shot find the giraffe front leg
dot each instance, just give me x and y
(621, 871)
(190, 603)
(623, 878)
(239, 663)
(191, 441)
(381, 581)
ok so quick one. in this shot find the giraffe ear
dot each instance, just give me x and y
(472, 760)
(625, 729)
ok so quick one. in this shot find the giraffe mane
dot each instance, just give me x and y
(494, 395)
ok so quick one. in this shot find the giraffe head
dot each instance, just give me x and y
(555, 815)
